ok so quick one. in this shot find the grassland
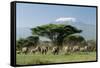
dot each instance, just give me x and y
(22, 59)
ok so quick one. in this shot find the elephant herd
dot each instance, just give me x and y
(34, 50)
(71, 49)
(55, 50)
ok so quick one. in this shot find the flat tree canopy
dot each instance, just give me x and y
(55, 32)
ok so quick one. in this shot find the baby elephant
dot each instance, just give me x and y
(55, 50)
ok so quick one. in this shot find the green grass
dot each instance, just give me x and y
(49, 58)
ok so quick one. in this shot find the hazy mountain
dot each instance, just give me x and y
(23, 32)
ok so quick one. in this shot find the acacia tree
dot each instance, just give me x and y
(92, 45)
(27, 42)
(32, 40)
(55, 32)
(75, 39)
(20, 43)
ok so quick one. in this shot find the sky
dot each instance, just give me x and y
(32, 15)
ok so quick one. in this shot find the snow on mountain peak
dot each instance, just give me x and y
(66, 19)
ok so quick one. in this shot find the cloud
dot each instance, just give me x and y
(66, 19)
